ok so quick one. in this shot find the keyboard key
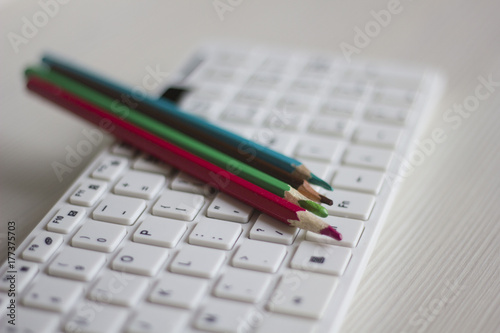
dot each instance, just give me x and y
(119, 288)
(77, 264)
(215, 233)
(351, 204)
(160, 231)
(387, 114)
(33, 321)
(158, 319)
(242, 130)
(213, 91)
(330, 126)
(228, 208)
(259, 256)
(91, 317)
(242, 114)
(140, 259)
(88, 193)
(295, 103)
(242, 285)
(110, 168)
(179, 291)
(351, 231)
(43, 246)
(139, 184)
(319, 168)
(223, 316)
(201, 108)
(271, 230)
(307, 86)
(178, 205)
(53, 294)
(279, 323)
(198, 261)
(18, 278)
(252, 97)
(349, 90)
(356, 179)
(393, 96)
(284, 120)
(149, 163)
(339, 107)
(308, 297)
(99, 236)
(119, 209)
(124, 149)
(368, 157)
(66, 219)
(280, 142)
(356, 74)
(321, 258)
(185, 183)
(373, 135)
(317, 149)
(264, 80)
(220, 75)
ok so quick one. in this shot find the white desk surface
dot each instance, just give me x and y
(436, 267)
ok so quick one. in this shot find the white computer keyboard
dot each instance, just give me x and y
(135, 246)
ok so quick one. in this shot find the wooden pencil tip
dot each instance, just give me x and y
(331, 232)
(320, 182)
(326, 200)
(313, 207)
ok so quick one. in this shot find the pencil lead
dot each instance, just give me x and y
(313, 207)
(326, 200)
(331, 232)
(320, 182)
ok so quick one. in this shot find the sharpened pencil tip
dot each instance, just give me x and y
(320, 182)
(326, 200)
(331, 232)
(313, 207)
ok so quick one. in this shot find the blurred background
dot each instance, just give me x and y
(436, 266)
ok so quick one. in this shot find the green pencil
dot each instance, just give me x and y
(212, 155)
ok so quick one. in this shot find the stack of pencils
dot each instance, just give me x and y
(275, 184)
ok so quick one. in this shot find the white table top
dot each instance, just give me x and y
(436, 267)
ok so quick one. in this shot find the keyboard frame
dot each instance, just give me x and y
(432, 84)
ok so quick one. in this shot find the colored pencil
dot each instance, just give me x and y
(181, 159)
(116, 91)
(210, 154)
